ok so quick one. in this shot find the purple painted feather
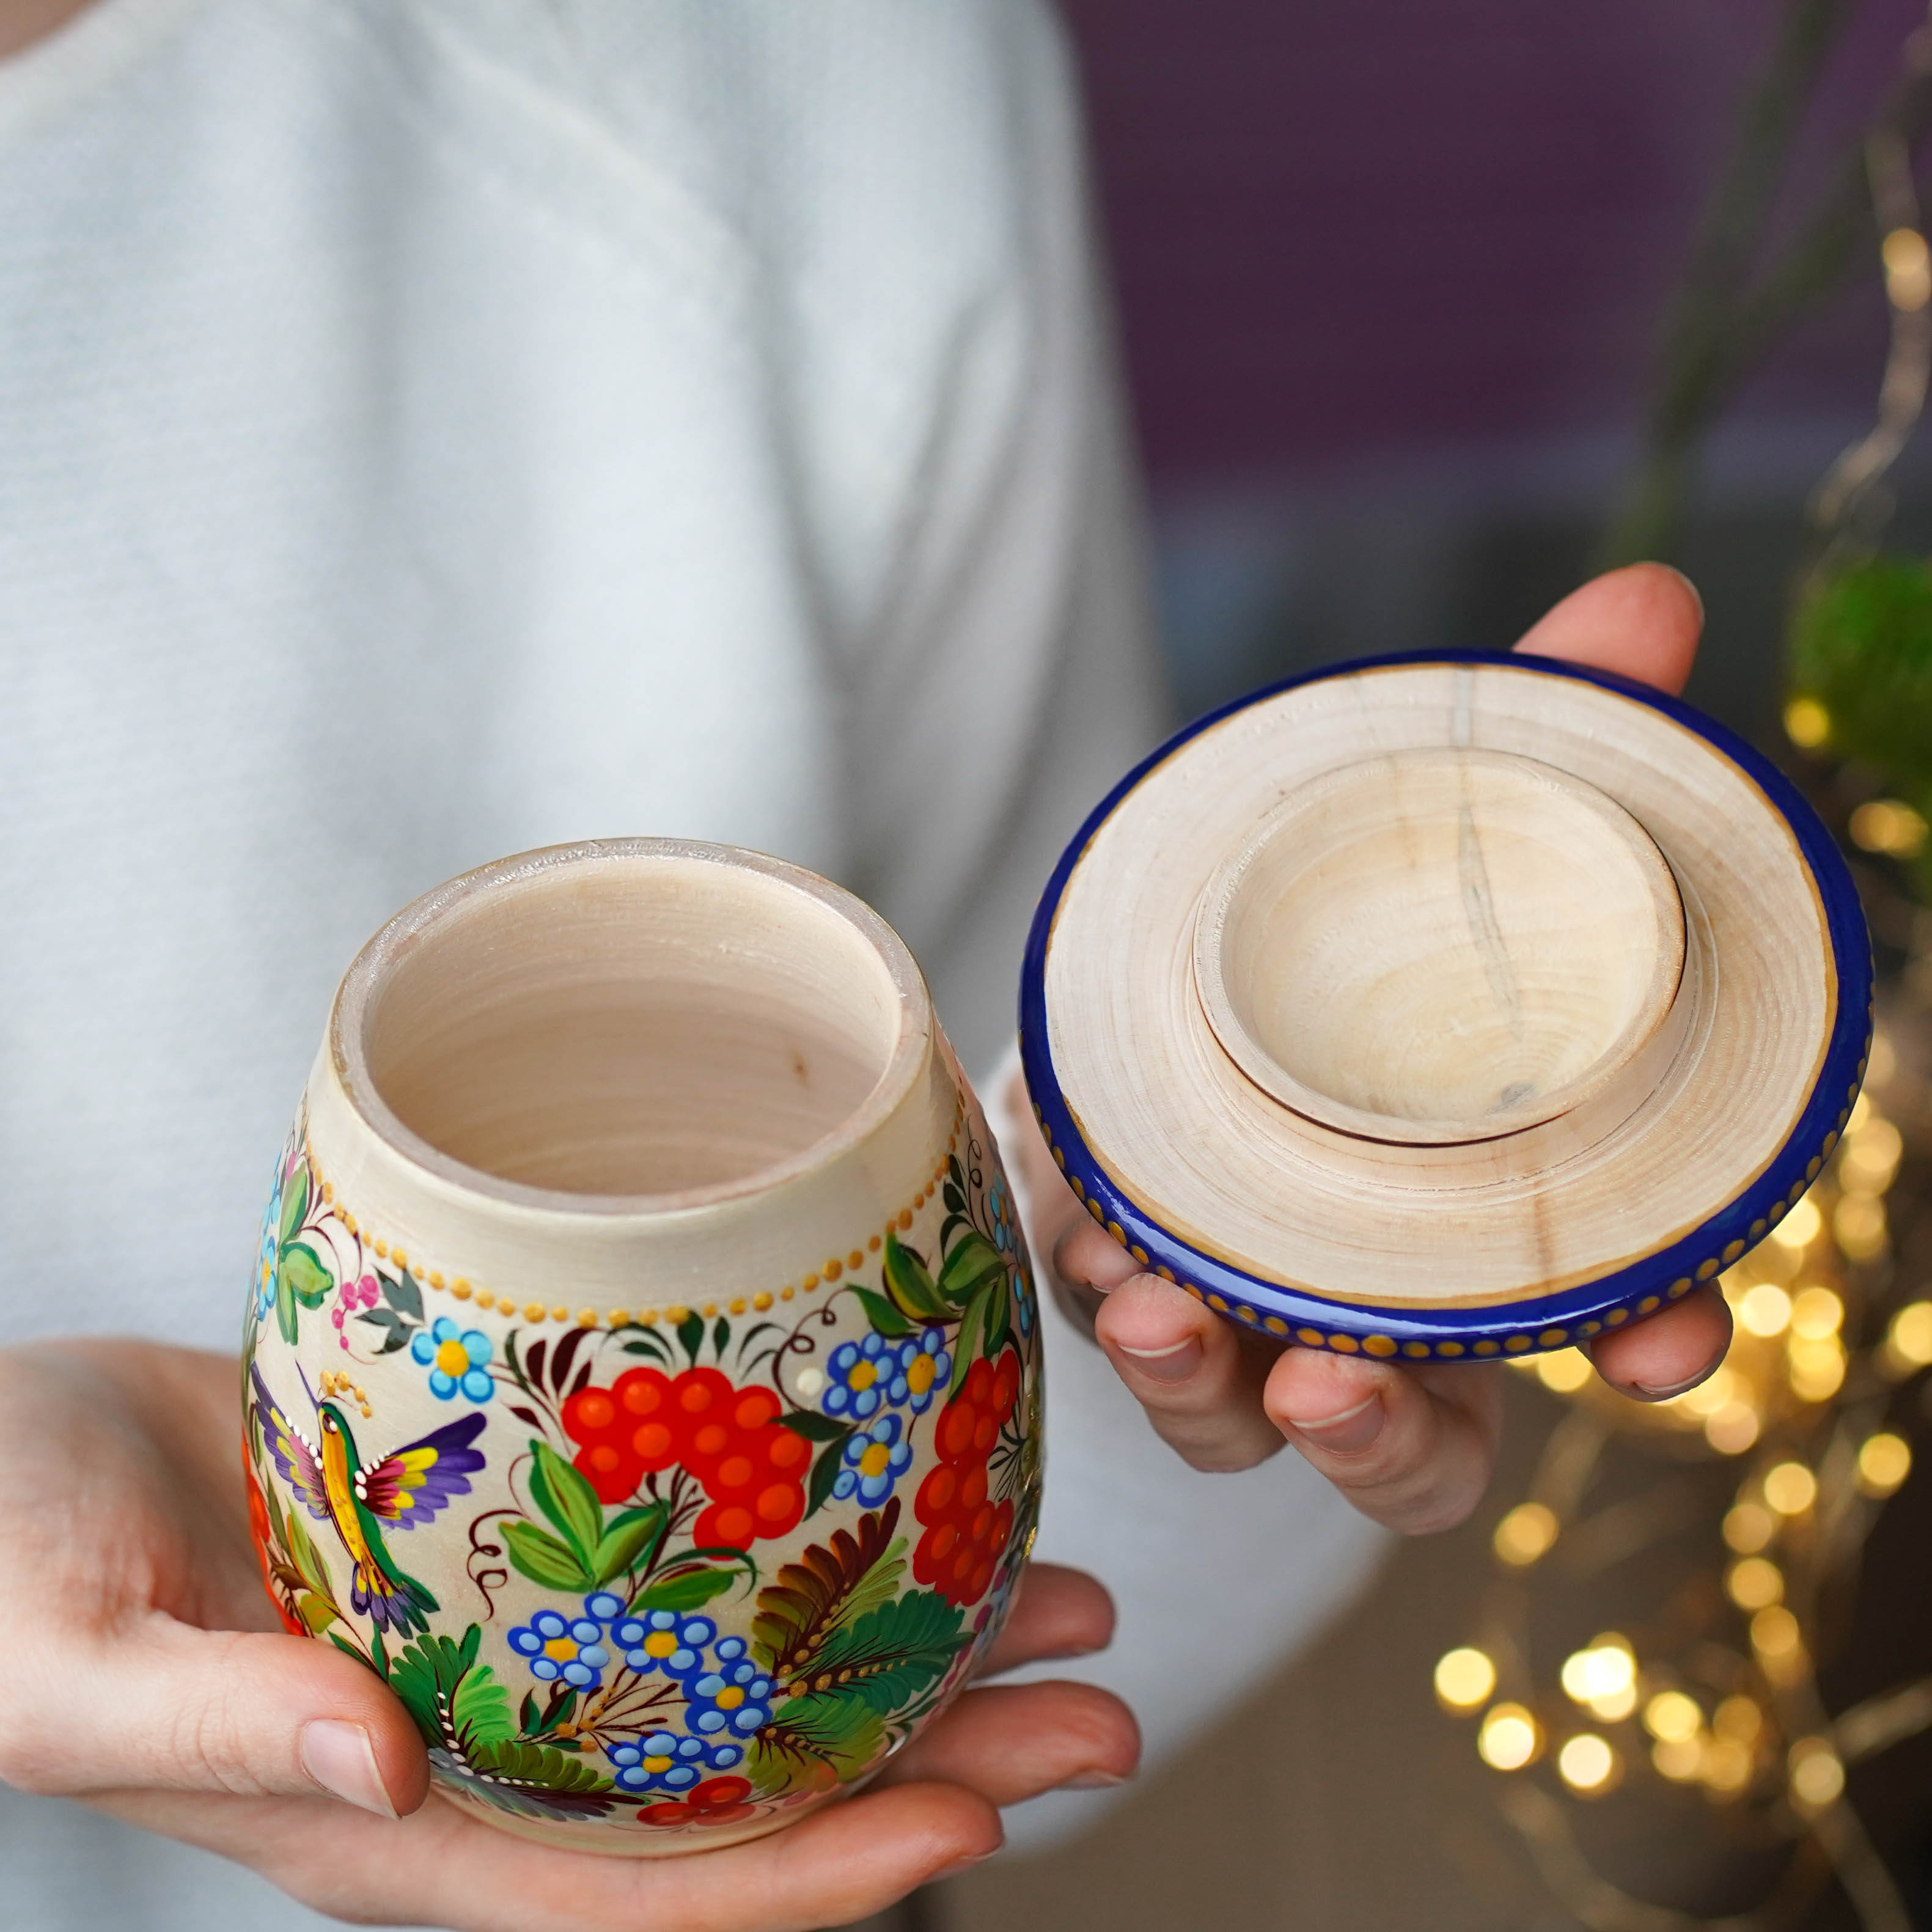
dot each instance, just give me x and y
(297, 1458)
(410, 1485)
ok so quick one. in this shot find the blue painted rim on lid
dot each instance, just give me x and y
(1576, 1313)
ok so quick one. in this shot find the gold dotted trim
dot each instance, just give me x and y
(459, 1288)
(1342, 1343)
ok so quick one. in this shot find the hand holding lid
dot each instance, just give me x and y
(1647, 1134)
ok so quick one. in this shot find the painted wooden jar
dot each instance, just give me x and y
(1474, 1005)
(641, 1368)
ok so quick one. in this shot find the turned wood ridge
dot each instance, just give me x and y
(1441, 985)
(1441, 947)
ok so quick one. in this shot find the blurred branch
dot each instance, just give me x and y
(1593, 1902)
(1726, 318)
(1881, 1722)
(1851, 501)
(1861, 1871)
(1699, 361)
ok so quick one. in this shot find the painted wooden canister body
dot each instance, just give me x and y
(641, 1370)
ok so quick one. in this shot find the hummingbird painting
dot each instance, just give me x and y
(406, 1487)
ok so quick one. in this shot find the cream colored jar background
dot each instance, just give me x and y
(642, 1367)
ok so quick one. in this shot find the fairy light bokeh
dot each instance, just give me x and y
(1810, 1417)
(1714, 1699)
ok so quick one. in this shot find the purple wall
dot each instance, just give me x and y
(1343, 226)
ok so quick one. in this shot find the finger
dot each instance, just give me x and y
(1089, 1257)
(443, 1867)
(1058, 1613)
(1412, 1447)
(162, 1703)
(1643, 620)
(1086, 1266)
(1012, 1741)
(1668, 1352)
(1198, 1378)
(844, 1862)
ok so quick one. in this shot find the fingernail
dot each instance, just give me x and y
(1093, 1780)
(1654, 1392)
(1697, 595)
(1173, 1363)
(959, 1865)
(341, 1759)
(1353, 1428)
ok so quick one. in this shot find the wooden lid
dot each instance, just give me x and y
(1450, 1004)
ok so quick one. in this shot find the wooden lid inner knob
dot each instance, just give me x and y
(1441, 946)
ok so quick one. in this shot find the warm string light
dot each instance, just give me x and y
(1602, 1678)
(1464, 1679)
(1887, 826)
(1588, 1764)
(1799, 1407)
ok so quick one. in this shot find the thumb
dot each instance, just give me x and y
(164, 1704)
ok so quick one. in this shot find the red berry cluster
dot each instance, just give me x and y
(717, 1801)
(752, 1467)
(966, 1534)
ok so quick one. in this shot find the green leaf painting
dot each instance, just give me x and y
(825, 1468)
(831, 1583)
(395, 1330)
(912, 1289)
(586, 1553)
(542, 1559)
(301, 1267)
(296, 1565)
(456, 1702)
(687, 1590)
(855, 1652)
(315, 1602)
(970, 1264)
(984, 1329)
(300, 1278)
(885, 1318)
(317, 1613)
(890, 1655)
(690, 1335)
(567, 1498)
(631, 1538)
(403, 1296)
(537, 1719)
(999, 1317)
(528, 1779)
(845, 1732)
(481, 1708)
(545, 1766)
(295, 1203)
(971, 1340)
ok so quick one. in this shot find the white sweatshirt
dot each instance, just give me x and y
(433, 428)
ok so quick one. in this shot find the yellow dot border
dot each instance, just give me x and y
(463, 1289)
(1421, 1348)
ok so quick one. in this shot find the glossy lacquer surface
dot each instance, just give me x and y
(668, 1515)
(1446, 1006)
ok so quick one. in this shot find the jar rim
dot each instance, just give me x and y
(358, 1000)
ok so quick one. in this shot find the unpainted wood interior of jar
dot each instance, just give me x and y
(632, 1027)
(1442, 945)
